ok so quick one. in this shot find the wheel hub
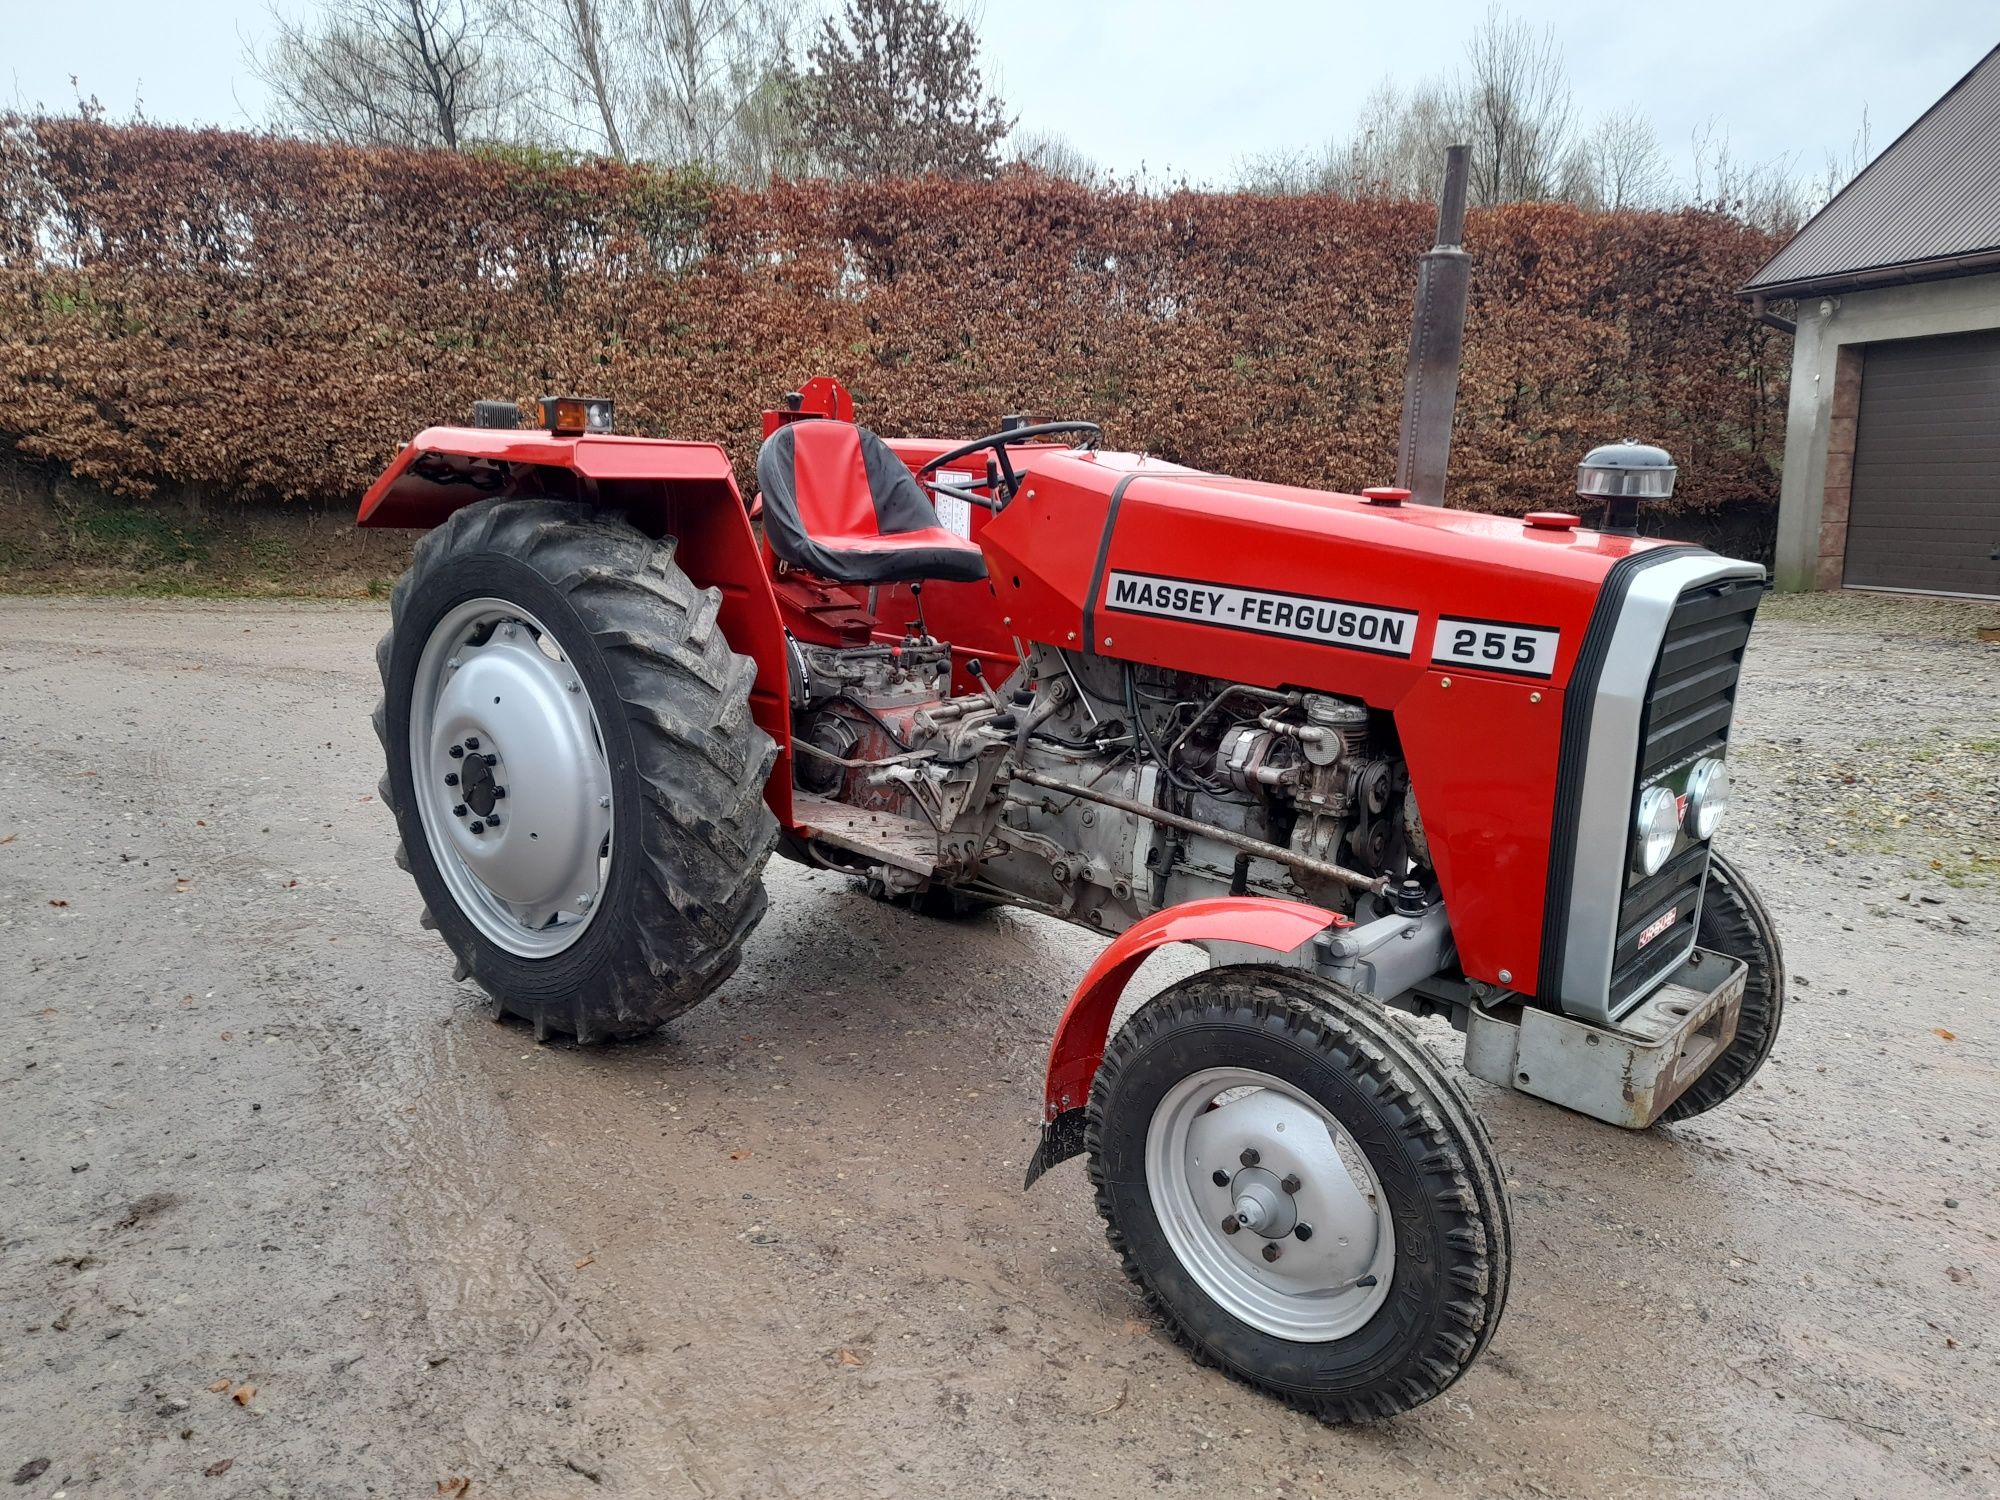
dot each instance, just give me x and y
(1261, 1203)
(478, 786)
(1270, 1206)
(511, 776)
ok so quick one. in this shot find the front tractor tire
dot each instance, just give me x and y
(1301, 1190)
(573, 767)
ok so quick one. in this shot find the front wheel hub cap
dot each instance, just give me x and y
(492, 705)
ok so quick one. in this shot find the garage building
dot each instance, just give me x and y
(1892, 443)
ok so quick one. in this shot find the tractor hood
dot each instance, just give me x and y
(1134, 558)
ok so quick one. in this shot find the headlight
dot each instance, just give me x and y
(1658, 826)
(1707, 797)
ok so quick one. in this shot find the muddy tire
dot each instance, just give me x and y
(1733, 921)
(1230, 1113)
(590, 842)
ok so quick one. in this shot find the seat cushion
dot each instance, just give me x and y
(839, 503)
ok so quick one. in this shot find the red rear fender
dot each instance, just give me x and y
(685, 491)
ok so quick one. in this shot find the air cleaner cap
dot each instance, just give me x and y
(1385, 494)
(1552, 520)
(1629, 470)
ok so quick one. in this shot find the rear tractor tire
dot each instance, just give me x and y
(1301, 1190)
(573, 767)
(1734, 922)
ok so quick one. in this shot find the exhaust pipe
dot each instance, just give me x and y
(1437, 333)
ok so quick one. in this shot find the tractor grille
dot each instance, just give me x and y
(1687, 713)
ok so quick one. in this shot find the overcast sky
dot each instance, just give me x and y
(1195, 86)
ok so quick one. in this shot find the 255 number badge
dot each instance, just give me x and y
(1496, 646)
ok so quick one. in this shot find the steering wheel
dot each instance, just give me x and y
(999, 442)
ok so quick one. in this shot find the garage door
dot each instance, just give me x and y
(1925, 511)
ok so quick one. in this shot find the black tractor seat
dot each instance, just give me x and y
(839, 503)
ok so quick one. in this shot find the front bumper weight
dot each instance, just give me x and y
(1625, 1073)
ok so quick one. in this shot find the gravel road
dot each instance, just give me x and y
(283, 1213)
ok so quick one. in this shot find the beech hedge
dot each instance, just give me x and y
(252, 318)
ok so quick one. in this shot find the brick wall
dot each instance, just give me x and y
(1839, 491)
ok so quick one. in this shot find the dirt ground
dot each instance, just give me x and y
(283, 1213)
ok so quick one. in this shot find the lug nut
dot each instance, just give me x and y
(1291, 1182)
(1270, 1252)
(1249, 1158)
(477, 826)
(493, 820)
(491, 760)
(499, 791)
(1221, 1178)
(472, 742)
(457, 751)
(1230, 1225)
(451, 778)
(458, 811)
(1304, 1231)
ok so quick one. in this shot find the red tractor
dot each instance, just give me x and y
(1368, 754)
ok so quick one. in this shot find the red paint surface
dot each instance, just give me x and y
(1078, 1047)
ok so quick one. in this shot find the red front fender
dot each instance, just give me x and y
(1277, 926)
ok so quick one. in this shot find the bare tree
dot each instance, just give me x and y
(1510, 102)
(383, 73)
(1619, 164)
(1397, 149)
(1054, 155)
(1843, 168)
(710, 81)
(1512, 106)
(1767, 194)
(579, 49)
(892, 88)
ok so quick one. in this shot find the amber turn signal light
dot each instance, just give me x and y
(573, 416)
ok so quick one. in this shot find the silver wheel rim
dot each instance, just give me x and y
(512, 783)
(1287, 1163)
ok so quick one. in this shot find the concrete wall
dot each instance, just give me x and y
(1825, 397)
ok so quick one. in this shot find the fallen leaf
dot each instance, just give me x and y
(1959, 1274)
(290, 883)
(586, 1261)
(220, 1467)
(457, 1485)
(57, 901)
(220, 1386)
(183, 885)
(229, 1036)
(739, 1155)
(243, 1394)
(10, 838)
(852, 1360)
(1949, 1036)
(201, 822)
(32, 1470)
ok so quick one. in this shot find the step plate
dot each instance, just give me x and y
(880, 836)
